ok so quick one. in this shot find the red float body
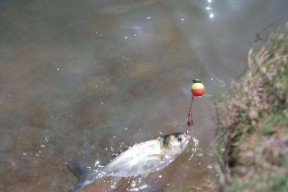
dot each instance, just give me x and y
(198, 92)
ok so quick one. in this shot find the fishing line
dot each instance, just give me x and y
(189, 118)
(197, 90)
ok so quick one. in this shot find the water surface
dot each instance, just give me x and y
(77, 78)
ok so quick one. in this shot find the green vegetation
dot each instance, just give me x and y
(252, 136)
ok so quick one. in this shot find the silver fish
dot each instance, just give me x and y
(140, 159)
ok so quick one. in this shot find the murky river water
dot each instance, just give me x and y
(80, 77)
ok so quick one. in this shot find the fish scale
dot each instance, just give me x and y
(140, 159)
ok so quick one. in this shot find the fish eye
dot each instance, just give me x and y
(179, 139)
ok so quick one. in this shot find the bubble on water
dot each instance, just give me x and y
(126, 128)
(209, 10)
(113, 185)
(39, 152)
(175, 123)
(58, 68)
(160, 176)
(24, 153)
(135, 35)
(114, 136)
(97, 163)
(182, 19)
(196, 141)
(140, 188)
(191, 156)
(148, 17)
(211, 15)
(143, 186)
(211, 78)
(102, 103)
(200, 154)
(194, 149)
(133, 184)
(126, 37)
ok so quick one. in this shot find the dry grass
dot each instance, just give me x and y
(253, 122)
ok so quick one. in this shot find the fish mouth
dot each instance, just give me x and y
(186, 137)
(186, 134)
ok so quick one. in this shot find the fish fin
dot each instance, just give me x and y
(76, 169)
(84, 175)
(158, 157)
(144, 174)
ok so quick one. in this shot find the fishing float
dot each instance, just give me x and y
(197, 90)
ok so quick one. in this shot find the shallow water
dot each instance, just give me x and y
(77, 78)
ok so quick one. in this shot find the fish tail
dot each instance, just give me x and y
(84, 175)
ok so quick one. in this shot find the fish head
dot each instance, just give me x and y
(174, 144)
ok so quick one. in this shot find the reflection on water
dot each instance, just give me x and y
(77, 78)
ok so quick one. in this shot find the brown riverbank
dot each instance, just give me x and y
(252, 133)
